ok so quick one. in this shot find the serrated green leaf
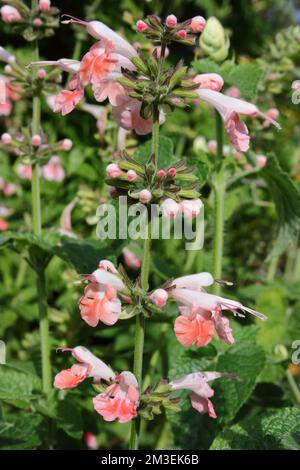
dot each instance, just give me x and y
(26, 432)
(166, 156)
(266, 432)
(246, 78)
(16, 384)
(286, 196)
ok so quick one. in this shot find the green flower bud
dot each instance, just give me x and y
(214, 41)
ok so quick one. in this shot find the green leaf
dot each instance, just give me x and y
(286, 196)
(25, 433)
(166, 156)
(16, 384)
(69, 418)
(246, 78)
(85, 255)
(272, 430)
(246, 360)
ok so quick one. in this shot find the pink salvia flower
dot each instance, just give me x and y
(169, 208)
(120, 400)
(53, 171)
(130, 259)
(65, 226)
(211, 81)
(88, 366)
(171, 21)
(107, 266)
(201, 392)
(159, 297)
(197, 24)
(194, 281)
(99, 304)
(229, 109)
(66, 101)
(105, 275)
(24, 171)
(10, 14)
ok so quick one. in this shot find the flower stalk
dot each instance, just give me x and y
(219, 187)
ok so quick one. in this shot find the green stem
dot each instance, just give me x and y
(219, 187)
(272, 268)
(37, 230)
(296, 273)
(293, 386)
(155, 133)
(139, 337)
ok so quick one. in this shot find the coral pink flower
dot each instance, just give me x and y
(99, 303)
(88, 366)
(66, 100)
(120, 400)
(110, 89)
(201, 392)
(10, 14)
(169, 208)
(3, 225)
(213, 303)
(24, 171)
(211, 81)
(193, 281)
(194, 329)
(67, 65)
(229, 109)
(190, 208)
(197, 24)
(159, 297)
(53, 171)
(107, 266)
(130, 259)
(8, 189)
(128, 116)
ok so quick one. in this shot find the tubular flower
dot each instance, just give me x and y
(100, 301)
(53, 171)
(230, 108)
(120, 400)
(131, 260)
(201, 313)
(88, 366)
(201, 392)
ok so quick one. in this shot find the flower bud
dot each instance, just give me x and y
(131, 175)
(211, 81)
(130, 259)
(44, 5)
(90, 441)
(6, 138)
(145, 196)
(197, 24)
(169, 208)
(214, 41)
(8, 69)
(296, 85)
(113, 171)
(41, 73)
(10, 14)
(161, 173)
(171, 172)
(190, 208)
(261, 160)
(141, 26)
(67, 144)
(171, 21)
(37, 22)
(36, 140)
(181, 34)
(159, 297)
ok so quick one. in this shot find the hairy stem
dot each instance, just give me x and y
(219, 187)
(37, 229)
